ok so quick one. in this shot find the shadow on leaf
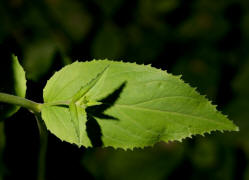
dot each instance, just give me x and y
(92, 127)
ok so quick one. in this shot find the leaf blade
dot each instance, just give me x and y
(79, 118)
(14, 84)
(154, 105)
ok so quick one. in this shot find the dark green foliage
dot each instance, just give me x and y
(206, 40)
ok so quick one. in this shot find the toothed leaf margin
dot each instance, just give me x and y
(153, 106)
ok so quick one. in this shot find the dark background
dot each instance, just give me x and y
(207, 41)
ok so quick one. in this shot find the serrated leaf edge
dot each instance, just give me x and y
(177, 77)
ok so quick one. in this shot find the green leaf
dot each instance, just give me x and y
(77, 110)
(240, 84)
(111, 34)
(138, 105)
(12, 81)
(38, 58)
(79, 118)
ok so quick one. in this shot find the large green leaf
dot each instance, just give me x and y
(134, 105)
(38, 58)
(12, 81)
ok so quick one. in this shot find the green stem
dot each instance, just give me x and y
(36, 109)
(41, 171)
(19, 101)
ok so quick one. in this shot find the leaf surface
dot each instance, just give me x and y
(79, 118)
(138, 105)
(12, 81)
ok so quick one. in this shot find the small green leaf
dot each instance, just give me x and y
(84, 90)
(79, 118)
(38, 58)
(111, 34)
(77, 108)
(138, 105)
(12, 81)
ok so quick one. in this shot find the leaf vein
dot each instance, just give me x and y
(170, 112)
(165, 97)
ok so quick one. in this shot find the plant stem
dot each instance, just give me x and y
(41, 171)
(36, 109)
(19, 101)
